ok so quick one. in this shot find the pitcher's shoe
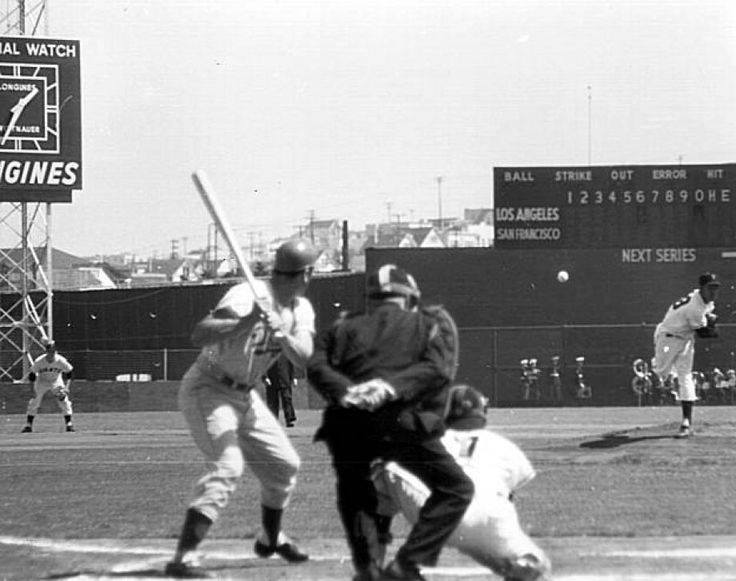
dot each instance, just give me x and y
(684, 432)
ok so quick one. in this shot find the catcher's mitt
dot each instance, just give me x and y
(709, 331)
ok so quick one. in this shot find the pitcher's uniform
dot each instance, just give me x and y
(490, 531)
(49, 378)
(674, 341)
(229, 421)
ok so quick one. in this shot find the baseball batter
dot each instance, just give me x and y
(50, 372)
(674, 342)
(489, 532)
(228, 420)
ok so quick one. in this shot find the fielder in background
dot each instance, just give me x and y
(50, 372)
(674, 342)
(385, 376)
(279, 381)
(490, 531)
(229, 421)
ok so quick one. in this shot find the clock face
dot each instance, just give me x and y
(29, 108)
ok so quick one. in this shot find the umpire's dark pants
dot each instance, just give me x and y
(353, 442)
(451, 491)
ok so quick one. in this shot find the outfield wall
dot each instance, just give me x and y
(116, 396)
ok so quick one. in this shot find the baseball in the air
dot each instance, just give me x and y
(563, 276)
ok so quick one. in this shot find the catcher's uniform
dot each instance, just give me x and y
(49, 378)
(229, 421)
(490, 531)
(674, 341)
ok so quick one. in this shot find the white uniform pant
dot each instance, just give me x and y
(489, 532)
(676, 353)
(231, 428)
(65, 404)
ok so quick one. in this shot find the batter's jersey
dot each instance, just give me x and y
(494, 463)
(685, 315)
(48, 373)
(246, 357)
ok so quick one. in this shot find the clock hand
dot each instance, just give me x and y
(17, 109)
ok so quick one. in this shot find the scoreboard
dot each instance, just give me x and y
(675, 206)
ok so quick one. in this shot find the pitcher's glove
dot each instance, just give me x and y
(709, 331)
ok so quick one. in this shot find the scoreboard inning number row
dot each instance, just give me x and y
(614, 206)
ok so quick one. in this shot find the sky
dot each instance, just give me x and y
(351, 110)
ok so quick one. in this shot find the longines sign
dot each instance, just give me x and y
(40, 119)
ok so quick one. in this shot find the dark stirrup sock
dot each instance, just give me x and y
(271, 520)
(194, 530)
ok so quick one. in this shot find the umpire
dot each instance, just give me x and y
(401, 348)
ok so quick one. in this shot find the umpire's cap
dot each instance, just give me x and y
(294, 256)
(390, 280)
(708, 279)
(466, 408)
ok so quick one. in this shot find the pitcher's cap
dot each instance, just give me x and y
(708, 279)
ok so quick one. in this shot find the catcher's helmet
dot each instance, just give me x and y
(390, 280)
(466, 408)
(294, 256)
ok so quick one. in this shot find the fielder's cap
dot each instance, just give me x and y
(708, 279)
(50, 344)
(466, 408)
(294, 256)
(390, 280)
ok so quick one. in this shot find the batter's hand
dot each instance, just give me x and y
(275, 323)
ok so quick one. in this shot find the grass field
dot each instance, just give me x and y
(108, 500)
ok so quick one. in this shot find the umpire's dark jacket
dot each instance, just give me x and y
(401, 347)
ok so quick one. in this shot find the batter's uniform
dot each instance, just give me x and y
(229, 421)
(49, 376)
(489, 532)
(674, 341)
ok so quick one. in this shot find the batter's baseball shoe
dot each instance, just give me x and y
(26, 429)
(286, 550)
(398, 572)
(185, 571)
(70, 428)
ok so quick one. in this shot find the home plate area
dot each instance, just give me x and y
(701, 558)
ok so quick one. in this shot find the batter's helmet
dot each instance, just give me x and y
(390, 280)
(294, 256)
(466, 408)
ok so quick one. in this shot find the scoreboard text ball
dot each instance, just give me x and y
(615, 206)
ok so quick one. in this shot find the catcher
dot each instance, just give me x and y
(674, 341)
(490, 531)
(50, 372)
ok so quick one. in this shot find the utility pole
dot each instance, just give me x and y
(439, 201)
(311, 226)
(590, 129)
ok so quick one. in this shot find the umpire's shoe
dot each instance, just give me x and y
(185, 571)
(401, 572)
(286, 550)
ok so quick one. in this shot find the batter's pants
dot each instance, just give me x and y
(232, 428)
(676, 353)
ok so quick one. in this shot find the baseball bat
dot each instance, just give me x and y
(211, 202)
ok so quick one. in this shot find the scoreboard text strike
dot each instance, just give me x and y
(675, 207)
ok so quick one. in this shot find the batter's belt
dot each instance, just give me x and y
(211, 370)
